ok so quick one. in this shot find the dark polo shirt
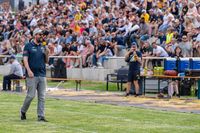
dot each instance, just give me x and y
(36, 58)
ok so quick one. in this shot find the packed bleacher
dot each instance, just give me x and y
(97, 29)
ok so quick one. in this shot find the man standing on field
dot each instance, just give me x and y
(35, 56)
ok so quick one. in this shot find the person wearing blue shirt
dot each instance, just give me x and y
(134, 58)
(35, 56)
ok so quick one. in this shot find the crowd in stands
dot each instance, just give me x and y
(96, 29)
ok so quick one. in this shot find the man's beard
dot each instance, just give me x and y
(39, 40)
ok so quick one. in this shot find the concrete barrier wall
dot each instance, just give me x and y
(89, 73)
(114, 63)
(86, 73)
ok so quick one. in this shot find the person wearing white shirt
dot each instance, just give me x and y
(167, 21)
(57, 52)
(127, 27)
(158, 51)
(33, 22)
(57, 49)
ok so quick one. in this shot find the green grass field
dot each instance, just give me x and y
(80, 117)
(85, 85)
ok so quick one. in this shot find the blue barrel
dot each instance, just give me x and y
(170, 64)
(183, 64)
(195, 64)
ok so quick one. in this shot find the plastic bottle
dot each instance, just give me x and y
(161, 70)
(155, 71)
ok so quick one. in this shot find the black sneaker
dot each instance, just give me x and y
(127, 94)
(178, 95)
(23, 116)
(42, 119)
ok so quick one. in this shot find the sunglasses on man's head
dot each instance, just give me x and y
(39, 34)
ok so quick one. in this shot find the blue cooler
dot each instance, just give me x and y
(170, 64)
(183, 64)
(195, 64)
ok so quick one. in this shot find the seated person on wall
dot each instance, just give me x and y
(158, 51)
(119, 44)
(16, 72)
(102, 50)
(107, 52)
(87, 52)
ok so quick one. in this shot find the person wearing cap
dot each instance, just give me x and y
(134, 58)
(145, 15)
(35, 55)
(16, 72)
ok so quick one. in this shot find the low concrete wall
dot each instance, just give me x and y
(114, 63)
(89, 73)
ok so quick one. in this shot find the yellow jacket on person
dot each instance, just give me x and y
(146, 17)
(78, 17)
(169, 37)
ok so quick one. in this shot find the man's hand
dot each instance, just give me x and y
(130, 51)
(30, 74)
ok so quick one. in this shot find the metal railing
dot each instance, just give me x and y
(114, 57)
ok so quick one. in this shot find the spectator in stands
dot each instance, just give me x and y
(104, 52)
(143, 32)
(16, 72)
(86, 53)
(169, 35)
(175, 9)
(119, 44)
(146, 51)
(192, 14)
(170, 48)
(21, 5)
(129, 21)
(153, 25)
(158, 51)
(179, 28)
(134, 57)
(97, 47)
(196, 47)
(186, 47)
(167, 21)
(68, 38)
(57, 51)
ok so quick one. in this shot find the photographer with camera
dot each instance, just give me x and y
(134, 58)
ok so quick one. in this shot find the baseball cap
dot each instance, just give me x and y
(133, 44)
(37, 31)
(12, 57)
(143, 10)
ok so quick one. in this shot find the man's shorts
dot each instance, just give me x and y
(133, 76)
